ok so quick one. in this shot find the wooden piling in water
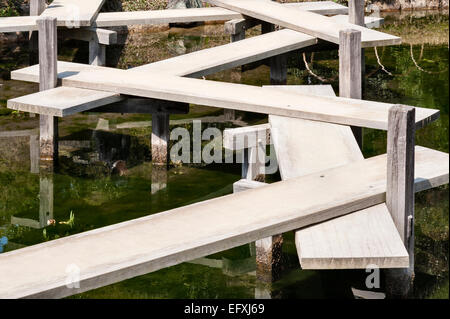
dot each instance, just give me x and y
(356, 16)
(48, 57)
(400, 193)
(350, 85)
(36, 8)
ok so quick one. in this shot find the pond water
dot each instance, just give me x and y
(86, 192)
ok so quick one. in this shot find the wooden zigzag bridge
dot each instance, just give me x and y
(347, 212)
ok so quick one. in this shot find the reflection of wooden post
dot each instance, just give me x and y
(160, 138)
(48, 59)
(159, 178)
(350, 72)
(34, 154)
(400, 192)
(45, 200)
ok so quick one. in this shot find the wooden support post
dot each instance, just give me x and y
(278, 70)
(48, 80)
(160, 139)
(350, 72)
(356, 16)
(36, 8)
(97, 53)
(400, 192)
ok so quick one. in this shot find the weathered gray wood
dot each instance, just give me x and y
(45, 199)
(116, 252)
(102, 36)
(48, 58)
(97, 53)
(74, 13)
(63, 101)
(36, 8)
(400, 191)
(34, 154)
(350, 84)
(241, 138)
(303, 21)
(242, 97)
(356, 12)
(160, 138)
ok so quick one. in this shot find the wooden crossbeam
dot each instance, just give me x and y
(74, 13)
(303, 21)
(115, 253)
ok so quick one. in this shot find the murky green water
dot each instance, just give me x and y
(85, 193)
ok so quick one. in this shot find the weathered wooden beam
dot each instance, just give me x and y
(143, 106)
(115, 253)
(241, 138)
(356, 16)
(48, 78)
(97, 53)
(350, 85)
(309, 23)
(337, 110)
(400, 191)
(74, 13)
(101, 36)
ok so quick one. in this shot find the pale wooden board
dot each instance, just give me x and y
(101, 36)
(107, 19)
(355, 241)
(227, 95)
(208, 61)
(62, 101)
(18, 24)
(348, 242)
(242, 97)
(74, 13)
(117, 252)
(245, 137)
(230, 55)
(370, 22)
(304, 147)
(304, 21)
(111, 19)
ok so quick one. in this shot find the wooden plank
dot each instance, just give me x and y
(108, 19)
(227, 95)
(348, 242)
(115, 253)
(74, 13)
(62, 101)
(355, 241)
(230, 55)
(18, 24)
(303, 21)
(245, 137)
(242, 97)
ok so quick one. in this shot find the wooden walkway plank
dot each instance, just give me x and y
(354, 241)
(112, 19)
(62, 101)
(303, 21)
(243, 97)
(212, 60)
(74, 13)
(115, 253)
(228, 95)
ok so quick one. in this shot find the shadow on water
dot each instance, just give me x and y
(106, 177)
